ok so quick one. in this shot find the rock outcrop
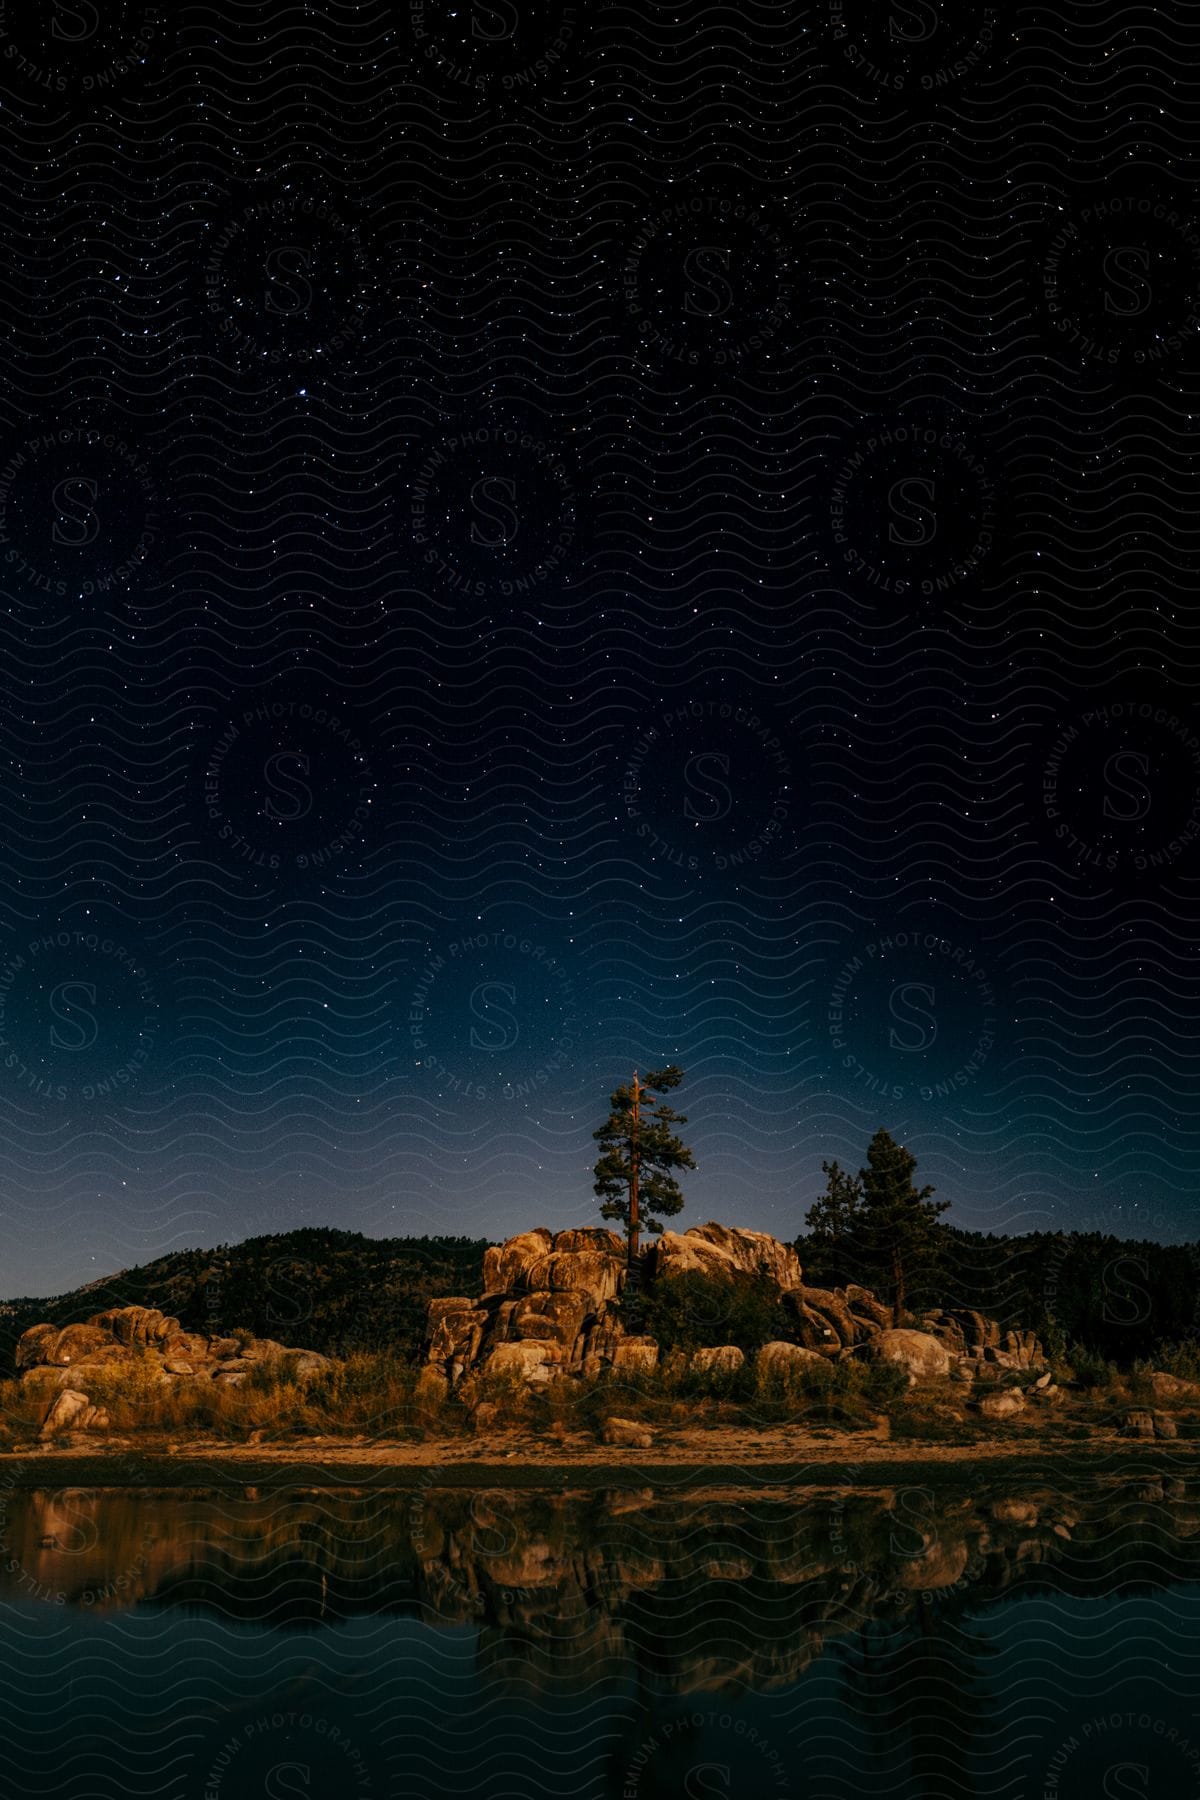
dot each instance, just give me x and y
(723, 1250)
(549, 1305)
(561, 1291)
(62, 1361)
(973, 1338)
(834, 1319)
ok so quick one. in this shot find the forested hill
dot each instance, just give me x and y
(323, 1289)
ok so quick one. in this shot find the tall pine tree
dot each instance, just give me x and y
(899, 1221)
(878, 1228)
(639, 1152)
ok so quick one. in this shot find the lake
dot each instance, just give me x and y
(1038, 1639)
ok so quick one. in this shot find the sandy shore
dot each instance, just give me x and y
(788, 1458)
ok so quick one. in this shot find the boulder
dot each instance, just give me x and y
(714, 1249)
(504, 1263)
(868, 1306)
(964, 1331)
(627, 1434)
(135, 1324)
(556, 1316)
(719, 1359)
(73, 1343)
(782, 1356)
(306, 1362)
(1138, 1423)
(1162, 1385)
(46, 1377)
(591, 1237)
(824, 1318)
(32, 1343)
(602, 1336)
(597, 1274)
(524, 1359)
(948, 1331)
(922, 1355)
(455, 1328)
(1004, 1405)
(65, 1413)
(1023, 1349)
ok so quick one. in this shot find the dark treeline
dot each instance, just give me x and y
(1122, 1298)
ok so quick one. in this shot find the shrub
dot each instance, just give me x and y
(881, 1384)
(695, 1311)
(505, 1389)
(1181, 1358)
(1090, 1370)
(808, 1391)
(22, 1408)
(272, 1376)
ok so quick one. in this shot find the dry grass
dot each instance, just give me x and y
(364, 1396)
(379, 1396)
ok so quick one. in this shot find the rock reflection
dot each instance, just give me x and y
(691, 1593)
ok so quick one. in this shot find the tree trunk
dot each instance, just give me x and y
(899, 1296)
(634, 1226)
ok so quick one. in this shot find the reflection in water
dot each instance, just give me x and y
(615, 1644)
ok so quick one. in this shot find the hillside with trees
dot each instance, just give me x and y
(317, 1288)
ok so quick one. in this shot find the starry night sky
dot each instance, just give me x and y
(538, 540)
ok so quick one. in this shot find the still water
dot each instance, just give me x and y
(330, 1644)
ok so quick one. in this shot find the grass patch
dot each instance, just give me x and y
(362, 1396)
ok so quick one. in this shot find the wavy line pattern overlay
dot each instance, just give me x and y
(539, 539)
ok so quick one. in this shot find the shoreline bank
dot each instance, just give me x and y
(793, 1467)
